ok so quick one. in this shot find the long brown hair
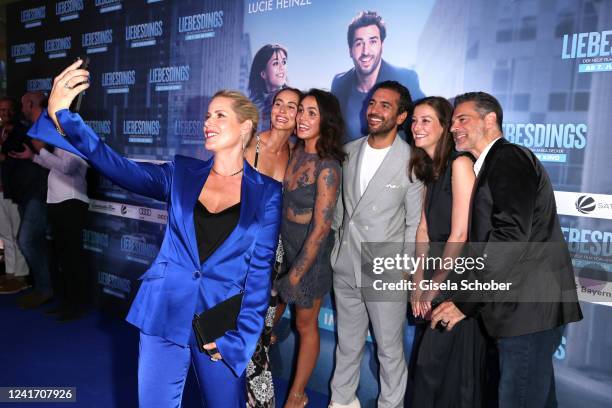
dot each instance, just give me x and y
(421, 165)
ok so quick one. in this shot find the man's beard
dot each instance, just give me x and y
(384, 128)
(372, 68)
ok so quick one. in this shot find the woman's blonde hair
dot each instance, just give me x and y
(242, 107)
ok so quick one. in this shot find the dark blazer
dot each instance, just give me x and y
(514, 220)
(343, 83)
(176, 285)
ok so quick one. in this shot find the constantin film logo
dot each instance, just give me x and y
(585, 204)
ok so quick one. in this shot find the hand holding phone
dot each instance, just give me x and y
(76, 104)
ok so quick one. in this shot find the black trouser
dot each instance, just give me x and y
(71, 277)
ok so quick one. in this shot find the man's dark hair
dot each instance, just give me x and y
(364, 19)
(485, 103)
(405, 100)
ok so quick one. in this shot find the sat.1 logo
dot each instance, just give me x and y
(585, 204)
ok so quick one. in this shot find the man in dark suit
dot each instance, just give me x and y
(366, 34)
(514, 225)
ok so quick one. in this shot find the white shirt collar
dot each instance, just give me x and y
(480, 161)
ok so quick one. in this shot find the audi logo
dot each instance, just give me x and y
(144, 211)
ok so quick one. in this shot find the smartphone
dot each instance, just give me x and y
(76, 104)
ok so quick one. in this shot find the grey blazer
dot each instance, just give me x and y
(388, 211)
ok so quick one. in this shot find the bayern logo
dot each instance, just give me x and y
(585, 204)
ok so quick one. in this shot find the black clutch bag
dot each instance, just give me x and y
(216, 321)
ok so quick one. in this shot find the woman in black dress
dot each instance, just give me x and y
(450, 364)
(311, 187)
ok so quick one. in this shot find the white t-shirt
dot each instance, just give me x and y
(372, 159)
(67, 176)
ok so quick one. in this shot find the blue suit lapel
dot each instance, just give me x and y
(251, 191)
(250, 194)
(193, 182)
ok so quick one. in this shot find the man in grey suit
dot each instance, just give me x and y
(379, 203)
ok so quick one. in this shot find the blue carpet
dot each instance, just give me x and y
(96, 354)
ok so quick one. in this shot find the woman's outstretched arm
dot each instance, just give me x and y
(66, 130)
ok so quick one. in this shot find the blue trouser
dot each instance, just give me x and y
(31, 239)
(163, 368)
(527, 378)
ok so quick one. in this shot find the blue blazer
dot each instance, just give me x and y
(176, 285)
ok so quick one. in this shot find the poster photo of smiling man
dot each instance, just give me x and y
(365, 36)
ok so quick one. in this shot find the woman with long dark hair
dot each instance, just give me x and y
(311, 188)
(269, 152)
(268, 75)
(449, 368)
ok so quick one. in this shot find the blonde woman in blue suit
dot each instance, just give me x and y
(223, 221)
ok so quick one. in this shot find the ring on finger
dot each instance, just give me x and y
(444, 323)
(67, 86)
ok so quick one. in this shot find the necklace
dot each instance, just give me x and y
(223, 175)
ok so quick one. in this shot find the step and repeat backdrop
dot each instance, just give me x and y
(156, 63)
